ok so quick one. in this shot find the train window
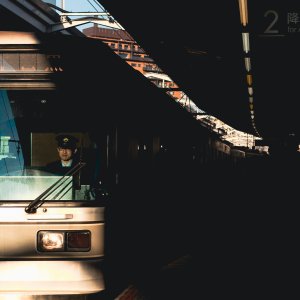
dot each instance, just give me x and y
(33, 123)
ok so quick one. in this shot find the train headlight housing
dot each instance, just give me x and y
(59, 241)
(78, 241)
(51, 241)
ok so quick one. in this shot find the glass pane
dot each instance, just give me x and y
(11, 62)
(42, 62)
(11, 156)
(28, 62)
(45, 150)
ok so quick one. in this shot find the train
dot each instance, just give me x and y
(143, 160)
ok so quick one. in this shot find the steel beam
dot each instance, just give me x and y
(66, 24)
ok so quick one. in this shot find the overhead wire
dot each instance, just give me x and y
(92, 5)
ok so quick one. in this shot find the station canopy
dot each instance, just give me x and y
(237, 60)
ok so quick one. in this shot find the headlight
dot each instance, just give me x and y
(51, 241)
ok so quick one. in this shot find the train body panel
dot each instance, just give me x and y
(57, 250)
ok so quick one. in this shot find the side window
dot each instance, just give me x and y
(11, 155)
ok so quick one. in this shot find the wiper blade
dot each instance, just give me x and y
(37, 202)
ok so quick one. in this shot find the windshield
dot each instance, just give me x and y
(43, 140)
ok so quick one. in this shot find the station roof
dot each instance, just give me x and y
(199, 45)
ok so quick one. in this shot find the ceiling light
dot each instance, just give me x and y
(243, 12)
(249, 79)
(246, 43)
(247, 64)
(250, 91)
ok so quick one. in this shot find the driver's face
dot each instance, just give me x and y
(65, 154)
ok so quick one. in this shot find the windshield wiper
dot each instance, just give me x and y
(37, 202)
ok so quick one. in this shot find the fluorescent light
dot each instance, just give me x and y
(243, 12)
(250, 91)
(246, 43)
(247, 64)
(249, 79)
